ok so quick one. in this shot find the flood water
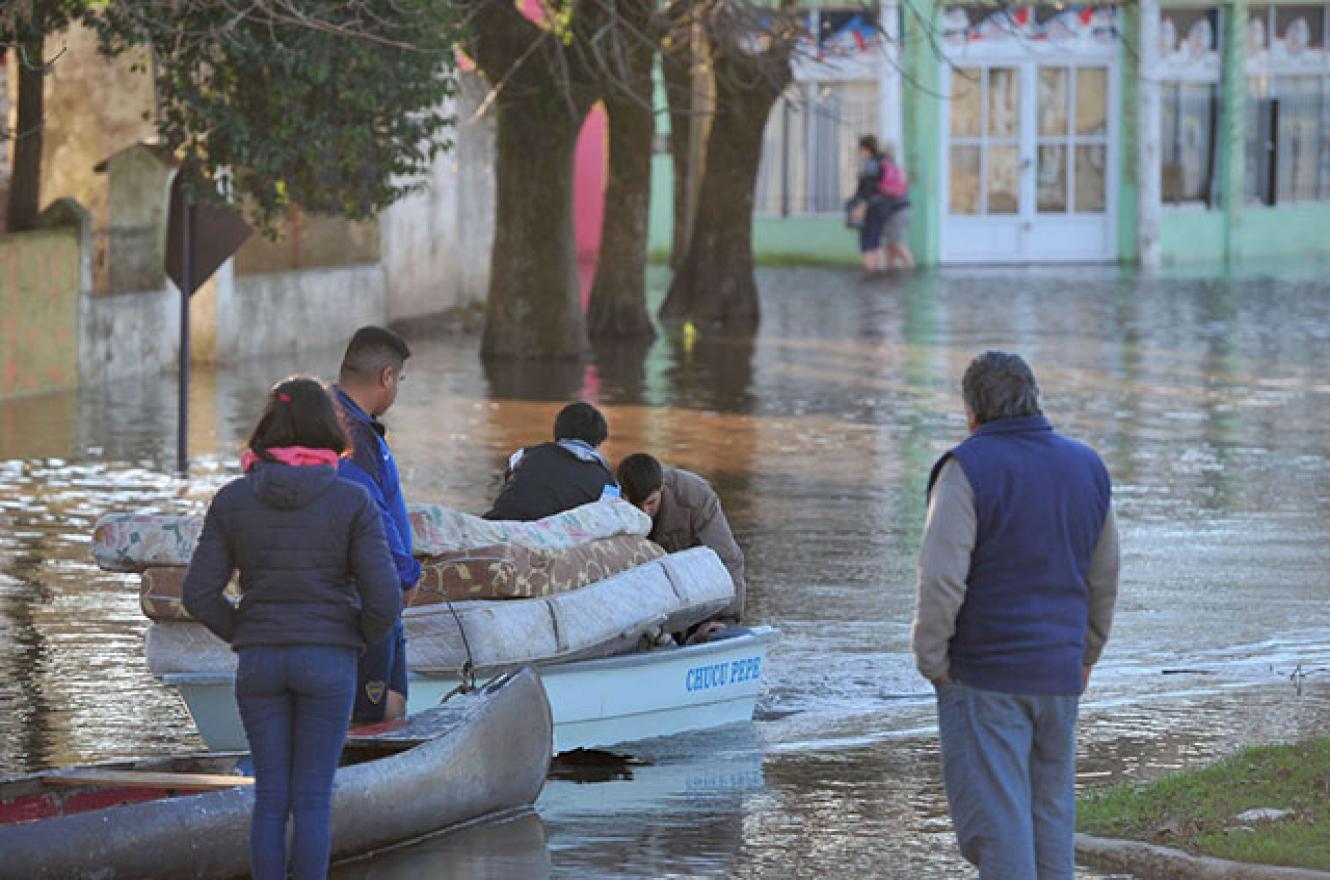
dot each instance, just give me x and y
(1207, 398)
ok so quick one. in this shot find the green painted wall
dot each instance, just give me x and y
(1189, 235)
(921, 115)
(1233, 123)
(1286, 231)
(39, 291)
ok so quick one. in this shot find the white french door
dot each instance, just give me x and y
(1029, 160)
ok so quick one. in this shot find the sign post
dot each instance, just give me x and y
(199, 238)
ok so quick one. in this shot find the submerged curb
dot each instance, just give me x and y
(1149, 861)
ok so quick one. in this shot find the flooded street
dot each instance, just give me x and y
(1208, 400)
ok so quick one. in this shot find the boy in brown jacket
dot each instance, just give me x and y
(685, 512)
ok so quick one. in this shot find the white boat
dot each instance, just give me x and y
(595, 703)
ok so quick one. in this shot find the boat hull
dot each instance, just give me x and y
(595, 703)
(492, 762)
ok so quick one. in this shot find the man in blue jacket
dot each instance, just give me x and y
(372, 372)
(1018, 576)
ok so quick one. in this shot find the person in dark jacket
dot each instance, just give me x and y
(868, 207)
(685, 512)
(568, 472)
(373, 369)
(316, 585)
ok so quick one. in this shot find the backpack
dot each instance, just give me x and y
(892, 183)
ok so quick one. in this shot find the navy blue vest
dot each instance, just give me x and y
(1040, 503)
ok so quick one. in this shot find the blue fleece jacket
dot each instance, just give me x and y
(371, 465)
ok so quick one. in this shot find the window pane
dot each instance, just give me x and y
(770, 183)
(1092, 100)
(1299, 137)
(1186, 123)
(967, 102)
(1091, 162)
(1003, 180)
(1004, 102)
(1299, 28)
(1258, 30)
(1256, 180)
(1051, 186)
(1325, 140)
(964, 184)
(1053, 98)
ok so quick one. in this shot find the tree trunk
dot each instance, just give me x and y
(534, 309)
(676, 68)
(26, 175)
(691, 96)
(715, 283)
(618, 306)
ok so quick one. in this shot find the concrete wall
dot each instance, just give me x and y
(436, 243)
(39, 293)
(132, 253)
(309, 241)
(127, 335)
(297, 311)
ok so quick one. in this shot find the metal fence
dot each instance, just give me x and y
(810, 147)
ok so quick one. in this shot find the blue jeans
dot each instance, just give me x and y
(295, 702)
(875, 223)
(1009, 764)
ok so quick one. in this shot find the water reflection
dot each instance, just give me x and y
(1206, 396)
(681, 809)
(502, 850)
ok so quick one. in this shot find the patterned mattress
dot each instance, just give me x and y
(135, 541)
(511, 571)
(160, 592)
(604, 618)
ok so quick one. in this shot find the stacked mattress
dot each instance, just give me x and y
(583, 583)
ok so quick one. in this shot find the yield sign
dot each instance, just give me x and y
(215, 234)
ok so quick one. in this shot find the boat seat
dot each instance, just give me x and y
(148, 779)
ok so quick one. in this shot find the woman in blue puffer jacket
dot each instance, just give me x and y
(317, 584)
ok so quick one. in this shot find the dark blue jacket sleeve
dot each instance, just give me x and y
(376, 578)
(408, 569)
(209, 572)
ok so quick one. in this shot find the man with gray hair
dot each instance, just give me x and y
(1018, 577)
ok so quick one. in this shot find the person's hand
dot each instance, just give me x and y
(942, 679)
(1085, 677)
(857, 212)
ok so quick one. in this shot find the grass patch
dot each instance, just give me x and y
(1195, 811)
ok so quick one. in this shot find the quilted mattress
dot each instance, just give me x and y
(135, 541)
(604, 618)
